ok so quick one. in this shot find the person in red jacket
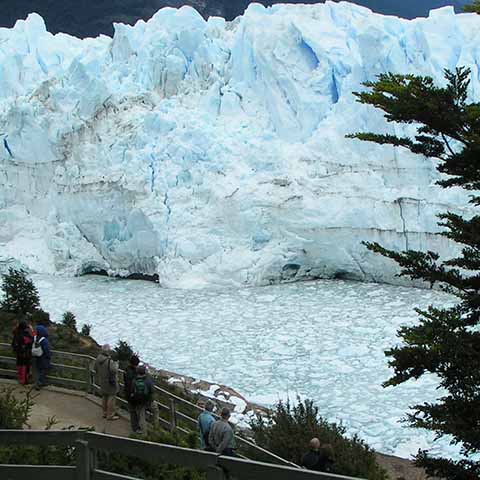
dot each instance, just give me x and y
(22, 346)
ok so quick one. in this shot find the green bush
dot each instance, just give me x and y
(288, 429)
(69, 320)
(123, 352)
(8, 321)
(86, 330)
(40, 317)
(133, 467)
(14, 413)
(19, 293)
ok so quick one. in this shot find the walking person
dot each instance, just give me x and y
(41, 357)
(205, 422)
(221, 437)
(22, 346)
(142, 398)
(128, 380)
(107, 369)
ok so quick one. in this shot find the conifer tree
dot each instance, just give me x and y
(69, 320)
(446, 341)
(474, 7)
(20, 296)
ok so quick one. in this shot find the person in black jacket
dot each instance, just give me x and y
(319, 458)
(128, 379)
(22, 346)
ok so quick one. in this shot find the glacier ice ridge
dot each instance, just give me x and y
(213, 153)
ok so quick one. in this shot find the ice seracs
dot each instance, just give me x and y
(214, 153)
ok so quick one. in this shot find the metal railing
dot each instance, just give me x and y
(170, 404)
(88, 444)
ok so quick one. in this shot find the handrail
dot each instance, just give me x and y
(89, 385)
(218, 467)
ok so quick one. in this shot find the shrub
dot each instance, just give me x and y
(20, 295)
(13, 413)
(123, 352)
(86, 330)
(40, 317)
(69, 320)
(288, 429)
(133, 467)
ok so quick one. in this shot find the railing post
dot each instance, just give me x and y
(89, 386)
(91, 378)
(173, 415)
(84, 461)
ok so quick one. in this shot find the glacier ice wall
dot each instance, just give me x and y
(214, 153)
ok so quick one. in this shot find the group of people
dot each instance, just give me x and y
(32, 349)
(138, 390)
(319, 458)
(32, 352)
(216, 435)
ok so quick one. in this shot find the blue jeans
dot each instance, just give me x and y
(39, 374)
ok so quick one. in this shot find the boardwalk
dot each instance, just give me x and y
(78, 410)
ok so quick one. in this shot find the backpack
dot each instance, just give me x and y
(112, 377)
(37, 349)
(140, 391)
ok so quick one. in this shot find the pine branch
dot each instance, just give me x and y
(445, 342)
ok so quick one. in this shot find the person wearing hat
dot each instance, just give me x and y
(41, 356)
(107, 369)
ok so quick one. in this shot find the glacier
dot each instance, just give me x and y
(214, 153)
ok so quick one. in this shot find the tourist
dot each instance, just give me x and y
(41, 356)
(106, 369)
(128, 379)
(22, 346)
(221, 438)
(142, 397)
(205, 422)
(318, 459)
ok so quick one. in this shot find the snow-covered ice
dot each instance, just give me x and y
(324, 340)
(214, 153)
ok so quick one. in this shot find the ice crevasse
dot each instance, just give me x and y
(214, 153)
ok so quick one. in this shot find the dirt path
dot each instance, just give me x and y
(68, 409)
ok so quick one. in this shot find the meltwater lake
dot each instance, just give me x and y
(323, 340)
